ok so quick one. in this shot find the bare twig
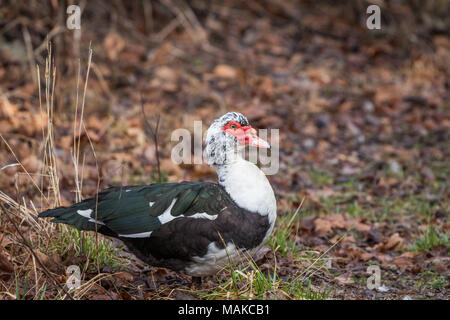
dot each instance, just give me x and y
(153, 131)
(30, 54)
(21, 165)
(96, 195)
(54, 32)
(161, 35)
(188, 20)
(148, 16)
(77, 131)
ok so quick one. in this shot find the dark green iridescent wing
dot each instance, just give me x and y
(132, 210)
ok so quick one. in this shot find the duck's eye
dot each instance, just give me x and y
(233, 126)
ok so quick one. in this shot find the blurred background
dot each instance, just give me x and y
(363, 117)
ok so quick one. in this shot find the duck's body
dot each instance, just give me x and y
(189, 227)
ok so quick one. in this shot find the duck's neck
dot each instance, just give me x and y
(248, 186)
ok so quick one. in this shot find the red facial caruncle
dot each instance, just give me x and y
(245, 135)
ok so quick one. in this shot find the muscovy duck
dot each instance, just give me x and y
(190, 227)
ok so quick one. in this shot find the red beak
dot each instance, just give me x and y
(247, 136)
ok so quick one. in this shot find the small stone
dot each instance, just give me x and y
(383, 288)
(427, 173)
(368, 106)
(322, 121)
(395, 167)
(308, 143)
(372, 120)
(354, 130)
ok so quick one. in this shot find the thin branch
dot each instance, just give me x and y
(153, 131)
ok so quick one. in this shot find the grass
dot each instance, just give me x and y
(382, 208)
(20, 296)
(245, 283)
(430, 239)
(320, 178)
(346, 197)
(24, 289)
(439, 282)
(354, 209)
(281, 239)
(430, 279)
(98, 252)
(249, 282)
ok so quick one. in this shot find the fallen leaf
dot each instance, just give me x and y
(345, 278)
(255, 112)
(326, 224)
(394, 242)
(166, 73)
(318, 195)
(114, 44)
(48, 261)
(99, 297)
(367, 256)
(322, 226)
(404, 260)
(225, 71)
(5, 264)
(124, 276)
(320, 75)
(386, 261)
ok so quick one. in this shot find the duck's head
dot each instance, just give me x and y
(227, 136)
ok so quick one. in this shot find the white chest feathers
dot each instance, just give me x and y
(249, 188)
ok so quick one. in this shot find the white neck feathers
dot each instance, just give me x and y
(248, 186)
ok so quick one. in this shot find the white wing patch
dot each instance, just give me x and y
(96, 221)
(137, 235)
(87, 214)
(203, 215)
(166, 216)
